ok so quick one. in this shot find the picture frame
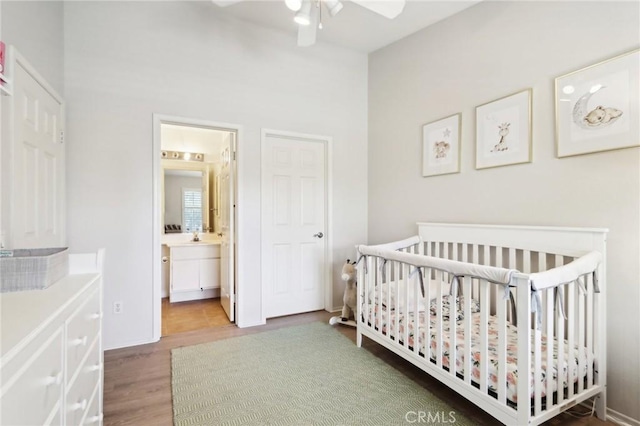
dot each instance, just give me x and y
(597, 107)
(441, 146)
(503, 131)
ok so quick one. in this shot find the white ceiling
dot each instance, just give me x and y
(354, 27)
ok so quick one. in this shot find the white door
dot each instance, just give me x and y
(227, 246)
(293, 224)
(38, 166)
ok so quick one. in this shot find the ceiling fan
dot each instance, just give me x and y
(308, 13)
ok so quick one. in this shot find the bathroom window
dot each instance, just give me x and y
(191, 209)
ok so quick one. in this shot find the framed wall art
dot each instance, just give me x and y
(503, 131)
(597, 107)
(441, 146)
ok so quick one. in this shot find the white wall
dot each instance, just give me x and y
(35, 28)
(125, 61)
(488, 51)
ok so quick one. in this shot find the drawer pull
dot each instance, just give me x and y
(94, 419)
(80, 341)
(53, 379)
(82, 405)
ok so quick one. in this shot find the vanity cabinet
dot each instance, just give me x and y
(194, 271)
(51, 365)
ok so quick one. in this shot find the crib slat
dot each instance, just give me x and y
(405, 304)
(361, 304)
(416, 315)
(548, 310)
(537, 357)
(445, 255)
(427, 314)
(501, 311)
(453, 309)
(571, 338)
(396, 305)
(526, 261)
(369, 295)
(537, 366)
(387, 282)
(483, 337)
(466, 290)
(581, 340)
(590, 328)
(379, 311)
(475, 260)
(560, 334)
(455, 252)
(439, 339)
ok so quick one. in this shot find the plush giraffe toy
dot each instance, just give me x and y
(350, 298)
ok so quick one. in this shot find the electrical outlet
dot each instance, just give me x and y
(117, 307)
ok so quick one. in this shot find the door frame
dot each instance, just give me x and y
(156, 265)
(327, 141)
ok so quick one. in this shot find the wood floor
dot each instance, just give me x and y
(194, 315)
(137, 380)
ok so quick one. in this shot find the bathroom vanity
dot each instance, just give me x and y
(194, 270)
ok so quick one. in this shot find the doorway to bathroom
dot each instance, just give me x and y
(195, 212)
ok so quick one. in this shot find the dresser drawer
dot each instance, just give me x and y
(82, 386)
(31, 394)
(195, 252)
(82, 327)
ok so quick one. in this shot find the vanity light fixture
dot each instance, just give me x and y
(179, 155)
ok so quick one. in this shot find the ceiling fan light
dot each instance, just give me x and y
(294, 5)
(303, 16)
(334, 6)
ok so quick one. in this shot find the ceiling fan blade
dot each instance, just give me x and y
(307, 33)
(225, 3)
(387, 8)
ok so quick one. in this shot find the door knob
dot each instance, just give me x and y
(318, 235)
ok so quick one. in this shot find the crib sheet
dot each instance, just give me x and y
(569, 369)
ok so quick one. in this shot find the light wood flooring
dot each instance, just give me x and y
(137, 380)
(193, 315)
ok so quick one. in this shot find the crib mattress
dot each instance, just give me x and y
(569, 371)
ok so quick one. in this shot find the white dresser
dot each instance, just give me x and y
(51, 365)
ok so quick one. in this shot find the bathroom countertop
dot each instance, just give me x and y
(191, 243)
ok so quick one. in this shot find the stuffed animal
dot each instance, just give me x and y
(350, 298)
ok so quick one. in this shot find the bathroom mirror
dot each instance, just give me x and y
(186, 199)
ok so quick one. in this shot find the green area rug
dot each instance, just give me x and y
(300, 375)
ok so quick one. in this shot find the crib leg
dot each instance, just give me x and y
(601, 406)
(359, 339)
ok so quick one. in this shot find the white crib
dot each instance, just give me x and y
(475, 306)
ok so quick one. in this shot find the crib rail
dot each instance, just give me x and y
(499, 325)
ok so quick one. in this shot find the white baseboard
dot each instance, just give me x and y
(614, 416)
(129, 344)
(250, 324)
(621, 419)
